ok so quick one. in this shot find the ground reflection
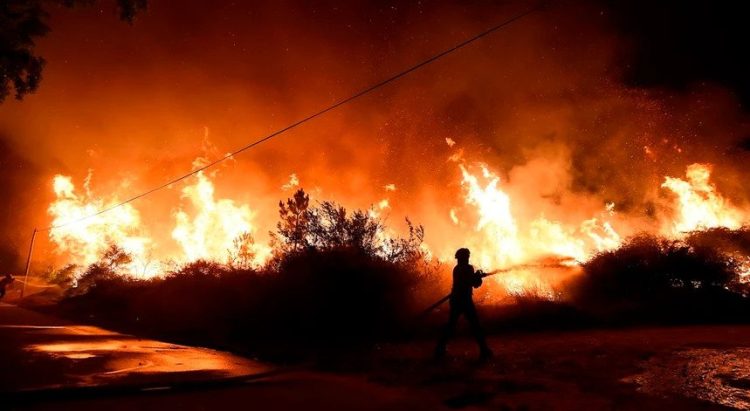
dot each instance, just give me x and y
(100, 356)
(92, 347)
(721, 376)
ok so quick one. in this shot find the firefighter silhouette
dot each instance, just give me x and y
(465, 279)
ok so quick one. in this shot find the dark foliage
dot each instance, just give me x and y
(64, 276)
(732, 243)
(329, 226)
(316, 302)
(655, 279)
(101, 272)
(22, 22)
(20, 69)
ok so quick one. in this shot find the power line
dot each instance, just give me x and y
(314, 115)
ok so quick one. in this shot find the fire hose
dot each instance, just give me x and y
(441, 301)
(556, 263)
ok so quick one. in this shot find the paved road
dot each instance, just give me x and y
(47, 363)
(40, 352)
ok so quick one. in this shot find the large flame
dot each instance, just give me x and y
(500, 241)
(498, 237)
(210, 229)
(215, 226)
(84, 240)
(699, 204)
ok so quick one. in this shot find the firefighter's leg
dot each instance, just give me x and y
(448, 331)
(476, 329)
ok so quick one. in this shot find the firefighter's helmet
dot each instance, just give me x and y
(463, 254)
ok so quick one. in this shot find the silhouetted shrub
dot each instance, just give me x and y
(652, 278)
(64, 276)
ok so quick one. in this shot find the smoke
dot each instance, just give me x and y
(15, 179)
(542, 103)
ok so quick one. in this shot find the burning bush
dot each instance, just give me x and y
(733, 243)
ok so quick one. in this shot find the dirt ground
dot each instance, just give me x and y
(686, 368)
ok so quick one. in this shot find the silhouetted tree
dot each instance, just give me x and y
(329, 226)
(292, 232)
(332, 227)
(64, 276)
(408, 249)
(21, 23)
